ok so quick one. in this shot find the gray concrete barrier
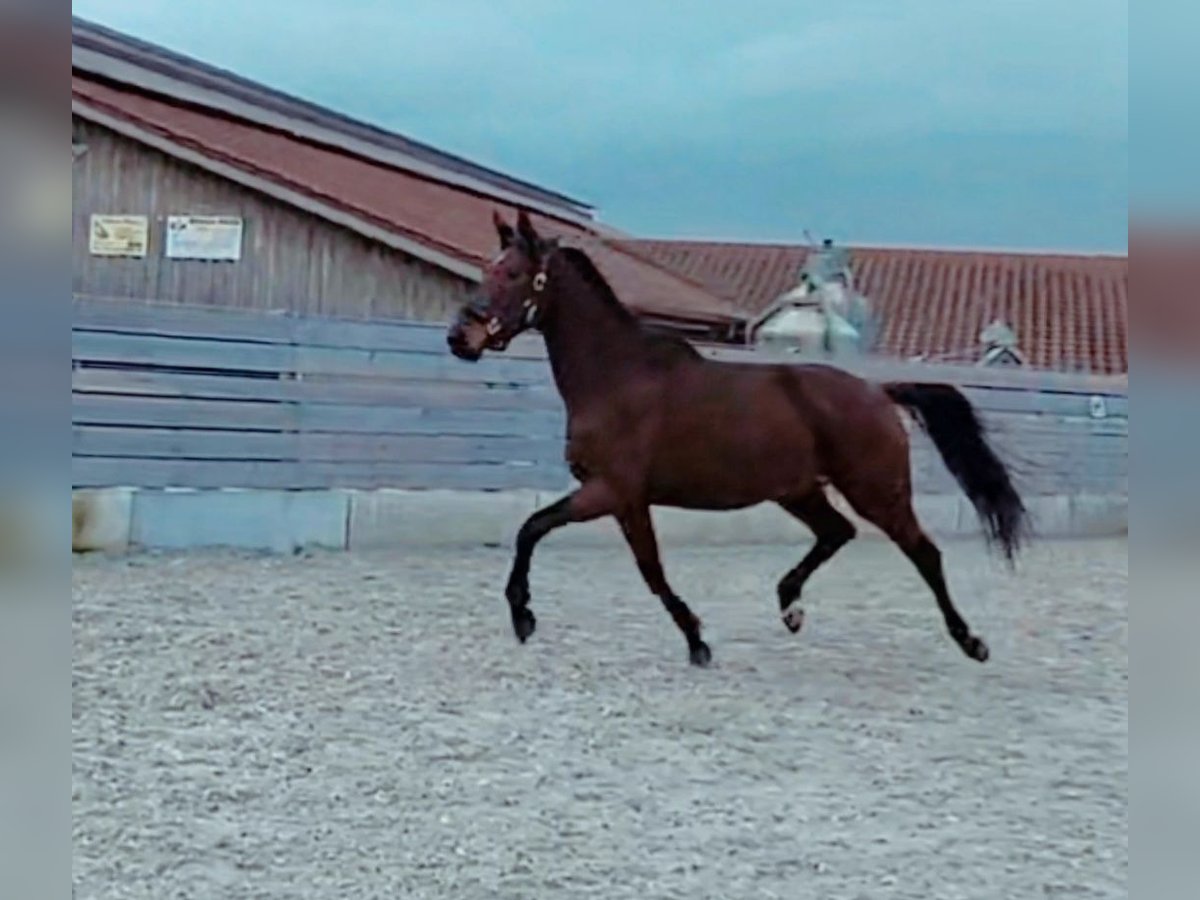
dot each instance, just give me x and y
(116, 519)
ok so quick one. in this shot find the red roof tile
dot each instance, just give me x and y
(1069, 311)
(441, 217)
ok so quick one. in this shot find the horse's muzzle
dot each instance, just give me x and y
(458, 339)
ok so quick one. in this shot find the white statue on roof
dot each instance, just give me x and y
(823, 315)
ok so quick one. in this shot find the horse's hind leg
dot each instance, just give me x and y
(832, 531)
(895, 517)
(639, 532)
(926, 556)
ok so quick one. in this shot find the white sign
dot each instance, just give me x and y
(204, 237)
(118, 235)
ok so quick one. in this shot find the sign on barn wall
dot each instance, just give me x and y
(118, 235)
(215, 238)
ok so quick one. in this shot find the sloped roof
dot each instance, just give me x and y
(1069, 311)
(447, 221)
(103, 52)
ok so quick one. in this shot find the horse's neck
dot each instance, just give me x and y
(590, 345)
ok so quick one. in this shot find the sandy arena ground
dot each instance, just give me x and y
(366, 726)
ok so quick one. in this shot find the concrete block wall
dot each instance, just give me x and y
(279, 521)
(118, 519)
(101, 519)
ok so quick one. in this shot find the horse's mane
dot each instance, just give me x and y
(583, 265)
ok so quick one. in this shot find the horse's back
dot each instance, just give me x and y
(715, 434)
(848, 417)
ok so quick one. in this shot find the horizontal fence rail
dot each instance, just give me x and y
(1061, 433)
(173, 396)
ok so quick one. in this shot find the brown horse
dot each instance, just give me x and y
(652, 422)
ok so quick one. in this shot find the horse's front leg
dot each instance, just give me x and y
(591, 501)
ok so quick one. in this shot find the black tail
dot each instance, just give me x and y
(950, 420)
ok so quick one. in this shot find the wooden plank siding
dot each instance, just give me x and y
(174, 396)
(290, 260)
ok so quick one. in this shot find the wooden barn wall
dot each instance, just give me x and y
(291, 260)
(171, 396)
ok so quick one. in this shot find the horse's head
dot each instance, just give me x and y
(511, 297)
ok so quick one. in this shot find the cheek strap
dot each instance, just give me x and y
(531, 306)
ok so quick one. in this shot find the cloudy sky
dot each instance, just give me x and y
(928, 122)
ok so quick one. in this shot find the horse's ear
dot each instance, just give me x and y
(526, 230)
(503, 229)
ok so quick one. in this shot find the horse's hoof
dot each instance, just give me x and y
(699, 654)
(793, 618)
(975, 648)
(524, 623)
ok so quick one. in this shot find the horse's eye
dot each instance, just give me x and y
(513, 274)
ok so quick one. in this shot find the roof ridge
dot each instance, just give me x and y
(188, 70)
(204, 110)
(1105, 255)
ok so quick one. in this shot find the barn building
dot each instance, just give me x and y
(193, 185)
